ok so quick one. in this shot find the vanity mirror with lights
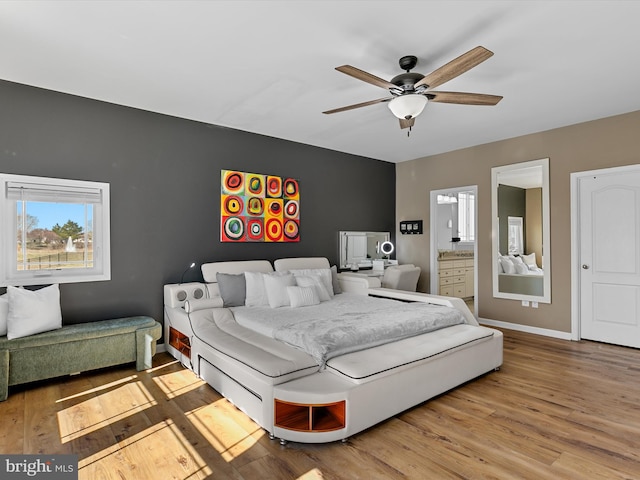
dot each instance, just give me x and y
(362, 248)
(521, 265)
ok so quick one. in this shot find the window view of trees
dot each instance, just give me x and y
(66, 246)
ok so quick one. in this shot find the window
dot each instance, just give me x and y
(466, 216)
(57, 230)
(516, 245)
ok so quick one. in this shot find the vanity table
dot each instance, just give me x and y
(376, 271)
(364, 273)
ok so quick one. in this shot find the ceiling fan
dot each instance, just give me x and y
(410, 92)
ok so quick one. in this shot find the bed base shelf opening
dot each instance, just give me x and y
(310, 418)
(180, 342)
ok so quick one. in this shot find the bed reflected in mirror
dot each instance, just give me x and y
(360, 249)
(520, 224)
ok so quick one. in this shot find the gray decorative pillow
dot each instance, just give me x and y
(233, 289)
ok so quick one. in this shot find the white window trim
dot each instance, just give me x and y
(101, 270)
(469, 215)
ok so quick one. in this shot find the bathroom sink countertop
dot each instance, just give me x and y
(452, 255)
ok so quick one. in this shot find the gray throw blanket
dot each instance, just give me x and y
(327, 338)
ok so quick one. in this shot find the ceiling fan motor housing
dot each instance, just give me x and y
(406, 81)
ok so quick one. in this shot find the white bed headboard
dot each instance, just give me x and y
(209, 270)
(176, 295)
(299, 263)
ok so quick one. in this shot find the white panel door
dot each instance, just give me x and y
(610, 258)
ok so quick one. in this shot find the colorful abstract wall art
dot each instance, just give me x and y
(258, 208)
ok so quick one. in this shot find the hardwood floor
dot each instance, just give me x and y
(556, 409)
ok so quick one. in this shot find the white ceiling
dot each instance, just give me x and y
(268, 66)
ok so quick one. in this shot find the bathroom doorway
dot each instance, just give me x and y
(454, 246)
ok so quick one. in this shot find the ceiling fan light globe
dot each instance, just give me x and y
(408, 106)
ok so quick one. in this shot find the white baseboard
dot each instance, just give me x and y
(160, 348)
(526, 328)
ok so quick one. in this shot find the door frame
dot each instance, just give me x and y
(433, 241)
(575, 238)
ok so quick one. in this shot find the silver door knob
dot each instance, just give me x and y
(585, 266)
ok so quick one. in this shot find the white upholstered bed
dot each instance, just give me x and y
(325, 393)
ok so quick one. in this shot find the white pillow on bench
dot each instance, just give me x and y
(4, 313)
(33, 312)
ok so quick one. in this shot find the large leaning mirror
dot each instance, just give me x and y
(361, 248)
(520, 231)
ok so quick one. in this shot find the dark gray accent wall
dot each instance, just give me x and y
(164, 174)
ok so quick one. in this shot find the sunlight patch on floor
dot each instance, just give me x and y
(184, 461)
(222, 432)
(314, 474)
(177, 383)
(98, 389)
(103, 410)
(161, 366)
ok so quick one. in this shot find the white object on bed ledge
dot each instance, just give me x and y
(194, 305)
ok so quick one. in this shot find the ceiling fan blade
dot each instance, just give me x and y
(404, 123)
(463, 98)
(358, 105)
(455, 67)
(366, 77)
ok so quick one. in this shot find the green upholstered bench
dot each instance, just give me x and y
(77, 348)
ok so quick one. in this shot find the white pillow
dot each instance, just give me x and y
(276, 287)
(302, 296)
(33, 312)
(516, 260)
(521, 269)
(315, 282)
(202, 303)
(324, 273)
(500, 269)
(507, 265)
(256, 294)
(530, 260)
(4, 313)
